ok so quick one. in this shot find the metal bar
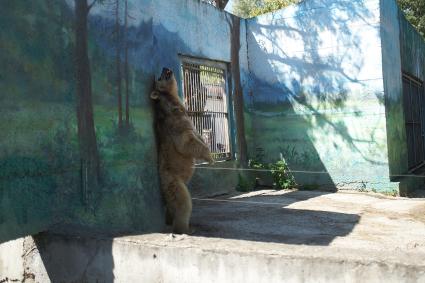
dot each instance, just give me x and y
(192, 67)
(414, 120)
(411, 140)
(206, 102)
(413, 79)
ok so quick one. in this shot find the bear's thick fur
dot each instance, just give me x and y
(179, 145)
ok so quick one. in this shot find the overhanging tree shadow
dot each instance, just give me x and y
(313, 85)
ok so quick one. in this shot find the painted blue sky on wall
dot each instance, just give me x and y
(312, 76)
(45, 129)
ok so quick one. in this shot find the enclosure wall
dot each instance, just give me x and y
(402, 50)
(317, 96)
(77, 152)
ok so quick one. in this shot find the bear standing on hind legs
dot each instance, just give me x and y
(179, 145)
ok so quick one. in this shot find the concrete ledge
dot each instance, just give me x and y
(259, 237)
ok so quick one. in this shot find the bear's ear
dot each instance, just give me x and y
(154, 95)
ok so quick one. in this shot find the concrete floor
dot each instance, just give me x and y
(343, 219)
(263, 236)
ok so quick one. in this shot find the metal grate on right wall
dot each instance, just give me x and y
(413, 103)
(205, 98)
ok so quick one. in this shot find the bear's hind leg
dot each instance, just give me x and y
(169, 217)
(183, 208)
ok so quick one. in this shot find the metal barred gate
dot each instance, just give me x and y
(413, 96)
(205, 98)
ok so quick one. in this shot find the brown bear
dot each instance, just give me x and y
(179, 144)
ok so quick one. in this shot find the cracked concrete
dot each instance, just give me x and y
(263, 236)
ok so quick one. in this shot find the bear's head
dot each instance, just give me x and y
(166, 84)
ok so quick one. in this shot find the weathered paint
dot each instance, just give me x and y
(41, 183)
(321, 80)
(198, 30)
(263, 236)
(391, 66)
(317, 94)
(412, 53)
(403, 49)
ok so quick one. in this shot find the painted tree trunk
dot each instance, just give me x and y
(237, 91)
(86, 131)
(126, 72)
(118, 62)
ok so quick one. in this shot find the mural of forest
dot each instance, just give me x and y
(76, 121)
(77, 151)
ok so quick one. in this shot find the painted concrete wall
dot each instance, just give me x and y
(412, 54)
(317, 94)
(314, 77)
(193, 28)
(402, 49)
(40, 164)
(412, 48)
(11, 260)
(40, 170)
(391, 65)
(158, 258)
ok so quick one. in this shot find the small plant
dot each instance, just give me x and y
(256, 164)
(282, 178)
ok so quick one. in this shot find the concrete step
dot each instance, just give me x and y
(264, 236)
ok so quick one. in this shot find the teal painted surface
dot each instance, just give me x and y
(213, 180)
(41, 182)
(391, 64)
(40, 171)
(317, 94)
(402, 49)
(412, 58)
(312, 94)
(190, 32)
(412, 48)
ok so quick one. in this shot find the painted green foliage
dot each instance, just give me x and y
(44, 172)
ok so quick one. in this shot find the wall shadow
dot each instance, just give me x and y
(314, 90)
(69, 258)
(268, 219)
